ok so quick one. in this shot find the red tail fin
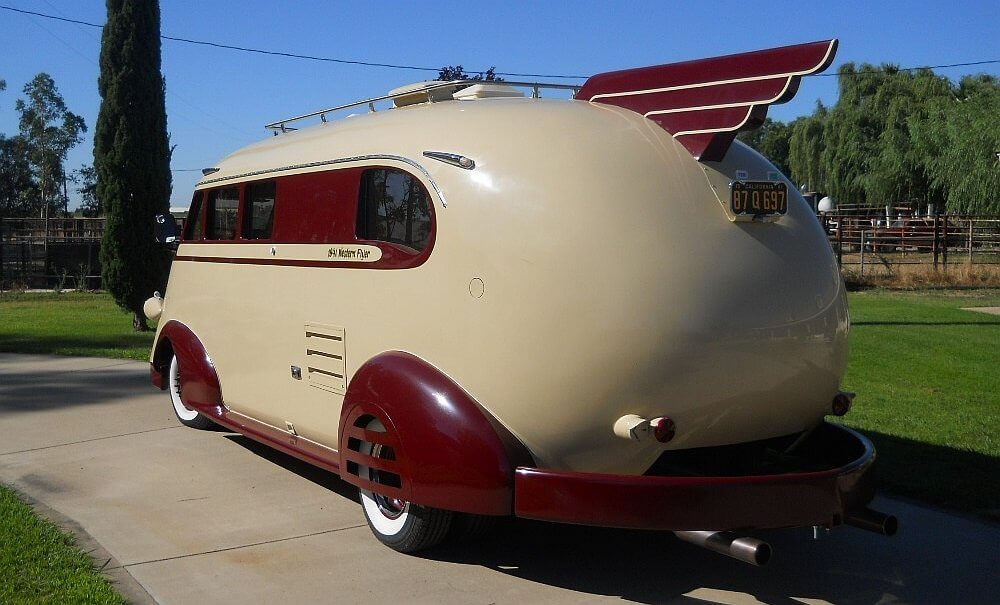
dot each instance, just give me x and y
(704, 103)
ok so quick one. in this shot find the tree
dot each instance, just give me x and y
(48, 130)
(86, 179)
(960, 138)
(132, 154)
(805, 150)
(15, 174)
(456, 72)
(17, 187)
(772, 140)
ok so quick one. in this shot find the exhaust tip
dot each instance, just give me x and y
(746, 549)
(763, 554)
(873, 521)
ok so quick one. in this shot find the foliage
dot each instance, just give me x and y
(18, 195)
(132, 154)
(34, 177)
(86, 179)
(772, 140)
(70, 323)
(902, 137)
(456, 72)
(805, 149)
(959, 134)
(41, 564)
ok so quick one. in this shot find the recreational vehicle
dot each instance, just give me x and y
(582, 304)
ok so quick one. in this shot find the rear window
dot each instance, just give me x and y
(223, 206)
(394, 207)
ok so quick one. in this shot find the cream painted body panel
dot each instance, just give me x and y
(614, 282)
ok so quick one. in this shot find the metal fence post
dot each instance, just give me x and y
(840, 240)
(971, 223)
(934, 242)
(944, 242)
(862, 276)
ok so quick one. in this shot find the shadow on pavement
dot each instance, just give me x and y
(40, 392)
(926, 563)
(305, 470)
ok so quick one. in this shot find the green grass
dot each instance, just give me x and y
(927, 375)
(40, 564)
(69, 323)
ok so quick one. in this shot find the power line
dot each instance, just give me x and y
(433, 69)
(285, 54)
(871, 71)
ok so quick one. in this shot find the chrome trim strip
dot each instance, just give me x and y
(357, 158)
(457, 160)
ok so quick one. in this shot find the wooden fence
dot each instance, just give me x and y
(938, 240)
(55, 253)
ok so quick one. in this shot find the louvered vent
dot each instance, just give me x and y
(326, 367)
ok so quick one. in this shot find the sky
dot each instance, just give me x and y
(218, 100)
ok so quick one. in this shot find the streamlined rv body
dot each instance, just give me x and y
(596, 310)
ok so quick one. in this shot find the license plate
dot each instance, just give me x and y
(756, 198)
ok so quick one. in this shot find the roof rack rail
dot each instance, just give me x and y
(536, 88)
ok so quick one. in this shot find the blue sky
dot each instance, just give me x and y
(218, 100)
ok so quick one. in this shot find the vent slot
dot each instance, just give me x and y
(326, 366)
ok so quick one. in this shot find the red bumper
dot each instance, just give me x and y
(819, 497)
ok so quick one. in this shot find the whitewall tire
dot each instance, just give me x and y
(186, 415)
(400, 525)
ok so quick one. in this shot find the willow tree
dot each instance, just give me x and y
(132, 154)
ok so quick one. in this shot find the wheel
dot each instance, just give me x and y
(402, 526)
(186, 415)
(466, 527)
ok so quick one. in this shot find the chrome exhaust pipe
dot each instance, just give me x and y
(874, 521)
(748, 550)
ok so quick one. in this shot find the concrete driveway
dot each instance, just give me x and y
(211, 517)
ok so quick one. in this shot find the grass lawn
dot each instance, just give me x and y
(927, 375)
(40, 564)
(69, 323)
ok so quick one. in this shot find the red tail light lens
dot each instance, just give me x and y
(664, 429)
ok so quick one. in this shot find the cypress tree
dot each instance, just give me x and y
(132, 154)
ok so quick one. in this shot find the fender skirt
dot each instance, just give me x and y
(447, 451)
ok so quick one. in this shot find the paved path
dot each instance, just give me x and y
(210, 517)
(990, 310)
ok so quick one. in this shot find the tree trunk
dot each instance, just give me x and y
(139, 323)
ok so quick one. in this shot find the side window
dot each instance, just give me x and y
(194, 227)
(223, 205)
(394, 207)
(258, 215)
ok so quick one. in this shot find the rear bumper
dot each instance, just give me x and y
(820, 497)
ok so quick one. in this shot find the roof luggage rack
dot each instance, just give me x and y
(419, 93)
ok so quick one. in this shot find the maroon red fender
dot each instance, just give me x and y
(199, 382)
(705, 103)
(450, 453)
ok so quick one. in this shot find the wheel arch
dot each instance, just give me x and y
(450, 452)
(200, 385)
